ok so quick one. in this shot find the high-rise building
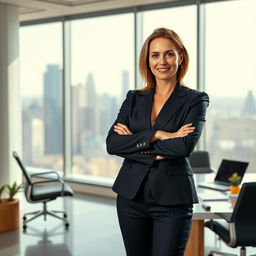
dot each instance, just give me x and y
(26, 136)
(249, 104)
(76, 105)
(91, 108)
(53, 110)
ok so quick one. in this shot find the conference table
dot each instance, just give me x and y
(195, 245)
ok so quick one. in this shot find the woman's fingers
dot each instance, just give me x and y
(120, 132)
(185, 130)
(159, 158)
(186, 125)
(122, 129)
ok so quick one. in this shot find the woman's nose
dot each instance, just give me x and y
(162, 60)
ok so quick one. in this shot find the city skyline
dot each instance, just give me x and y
(93, 114)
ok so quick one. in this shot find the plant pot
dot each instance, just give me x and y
(9, 215)
(234, 189)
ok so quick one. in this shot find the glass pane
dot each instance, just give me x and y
(230, 81)
(41, 91)
(102, 72)
(183, 21)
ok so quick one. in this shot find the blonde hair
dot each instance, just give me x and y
(144, 68)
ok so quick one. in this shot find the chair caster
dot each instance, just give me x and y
(24, 228)
(65, 215)
(24, 218)
(66, 225)
(210, 254)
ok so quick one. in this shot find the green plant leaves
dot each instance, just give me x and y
(11, 189)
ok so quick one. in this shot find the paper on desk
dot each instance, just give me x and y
(212, 196)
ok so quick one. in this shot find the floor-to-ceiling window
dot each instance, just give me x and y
(41, 91)
(230, 81)
(102, 71)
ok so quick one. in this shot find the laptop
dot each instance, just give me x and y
(226, 169)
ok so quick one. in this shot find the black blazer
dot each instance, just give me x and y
(172, 181)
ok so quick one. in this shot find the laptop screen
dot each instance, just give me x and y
(227, 168)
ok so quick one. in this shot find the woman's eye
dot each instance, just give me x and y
(154, 56)
(170, 54)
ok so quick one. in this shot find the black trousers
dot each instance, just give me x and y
(149, 229)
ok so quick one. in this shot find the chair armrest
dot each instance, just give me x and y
(51, 181)
(225, 216)
(43, 173)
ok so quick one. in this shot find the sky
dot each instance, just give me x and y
(104, 46)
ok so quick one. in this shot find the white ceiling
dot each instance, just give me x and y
(41, 9)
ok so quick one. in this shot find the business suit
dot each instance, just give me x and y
(167, 182)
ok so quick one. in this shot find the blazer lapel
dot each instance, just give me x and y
(171, 106)
(146, 106)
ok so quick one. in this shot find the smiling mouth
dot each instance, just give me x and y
(163, 70)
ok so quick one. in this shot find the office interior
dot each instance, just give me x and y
(65, 68)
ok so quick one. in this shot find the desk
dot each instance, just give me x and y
(195, 246)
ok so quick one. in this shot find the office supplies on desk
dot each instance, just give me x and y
(226, 169)
(206, 207)
(211, 195)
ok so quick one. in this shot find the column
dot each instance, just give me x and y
(10, 101)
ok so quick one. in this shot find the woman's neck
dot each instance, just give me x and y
(164, 88)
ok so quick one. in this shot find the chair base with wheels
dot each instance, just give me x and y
(44, 212)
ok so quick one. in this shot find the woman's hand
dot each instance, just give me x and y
(159, 158)
(185, 130)
(122, 129)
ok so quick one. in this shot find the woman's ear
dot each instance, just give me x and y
(180, 58)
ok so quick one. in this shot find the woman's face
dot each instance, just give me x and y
(164, 59)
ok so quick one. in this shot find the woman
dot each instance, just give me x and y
(156, 130)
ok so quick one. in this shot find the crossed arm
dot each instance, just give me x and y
(184, 131)
(121, 141)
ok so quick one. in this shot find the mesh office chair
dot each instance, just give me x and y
(200, 162)
(239, 227)
(43, 192)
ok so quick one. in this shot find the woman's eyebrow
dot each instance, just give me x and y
(171, 50)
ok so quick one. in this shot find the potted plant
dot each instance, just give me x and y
(9, 208)
(235, 180)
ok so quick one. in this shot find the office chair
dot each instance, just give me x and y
(200, 162)
(239, 227)
(43, 191)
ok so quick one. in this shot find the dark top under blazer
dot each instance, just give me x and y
(172, 178)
